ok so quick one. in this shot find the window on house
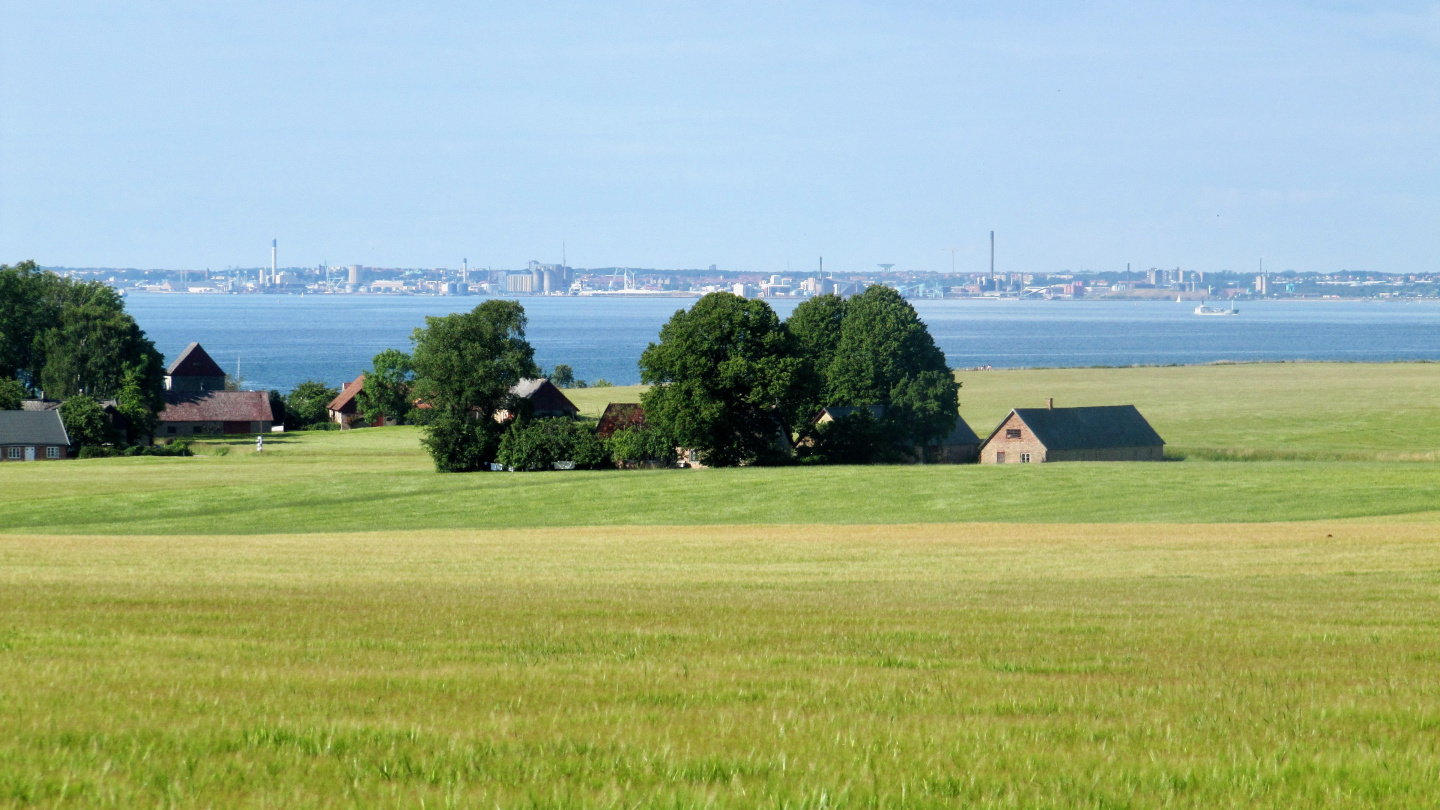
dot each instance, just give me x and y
(170, 429)
(1000, 457)
(52, 452)
(13, 452)
(1024, 458)
(1012, 433)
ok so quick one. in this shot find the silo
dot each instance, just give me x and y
(549, 280)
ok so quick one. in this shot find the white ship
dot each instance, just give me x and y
(1204, 310)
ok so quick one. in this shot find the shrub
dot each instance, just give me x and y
(460, 444)
(637, 445)
(91, 451)
(536, 444)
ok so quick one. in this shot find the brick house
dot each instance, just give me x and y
(33, 436)
(1103, 433)
(196, 401)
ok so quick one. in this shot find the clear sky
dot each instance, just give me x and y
(755, 137)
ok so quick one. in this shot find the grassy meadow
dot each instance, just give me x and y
(332, 624)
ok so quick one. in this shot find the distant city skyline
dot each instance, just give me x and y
(746, 136)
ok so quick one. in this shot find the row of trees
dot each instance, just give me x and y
(729, 379)
(734, 382)
(72, 340)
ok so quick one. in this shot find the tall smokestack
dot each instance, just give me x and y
(274, 244)
(992, 260)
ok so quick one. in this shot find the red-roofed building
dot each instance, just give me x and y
(215, 412)
(345, 411)
(619, 416)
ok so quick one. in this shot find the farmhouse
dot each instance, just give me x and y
(546, 399)
(196, 401)
(32, 436)
(344, 411)
(1104, 433)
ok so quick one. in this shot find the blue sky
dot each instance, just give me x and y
(755, 137)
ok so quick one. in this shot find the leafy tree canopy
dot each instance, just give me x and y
(536, 444)
(886, 356)
(63, 338)
(465, 365)
(563, 376)
(12, 393)
(85, 421)
(306, 403)
(724, 380)
(386, 391)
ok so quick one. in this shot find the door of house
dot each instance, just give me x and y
(237, 427)
(1000, 457)
(29, 454)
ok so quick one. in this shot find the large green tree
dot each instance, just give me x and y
(725, 381)
(86, 422)
(886, 356)
(65, 338)
(465, 365)
(386, 391)
(815, 325)
(306, 403)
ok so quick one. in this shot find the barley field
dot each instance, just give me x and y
(1270, 665)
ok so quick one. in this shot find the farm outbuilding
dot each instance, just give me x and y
(33, 436)
(215, 412)
(619, 416)
(344, 410)
(1101, 433)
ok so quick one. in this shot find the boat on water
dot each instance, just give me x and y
(1204, 310)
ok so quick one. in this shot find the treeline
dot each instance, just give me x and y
(73, 340)
(731, 383)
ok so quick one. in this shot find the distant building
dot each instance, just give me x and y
(1104, 433)
(194, 371)
(546, 399)
(196, 401)
(214, 413)
(344, 411)
(33, 436)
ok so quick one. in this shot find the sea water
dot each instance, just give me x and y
(277, 341)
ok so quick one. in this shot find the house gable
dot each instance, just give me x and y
(1013, 442)
(194, 370)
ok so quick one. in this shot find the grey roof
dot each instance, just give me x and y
(961, 435)
(32, 427)
(1091, 428)
(39, 404)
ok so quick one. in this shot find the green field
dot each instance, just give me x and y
(331, 623)
(921, 666)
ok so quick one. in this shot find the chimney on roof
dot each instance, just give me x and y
(1050, 403)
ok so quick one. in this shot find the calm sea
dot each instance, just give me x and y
(280, 340)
